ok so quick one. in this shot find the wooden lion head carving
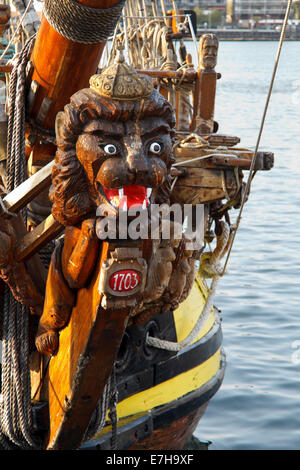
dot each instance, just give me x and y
(111, 146)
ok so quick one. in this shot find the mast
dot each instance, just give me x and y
(58, 68)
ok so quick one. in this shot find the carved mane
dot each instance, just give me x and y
(69, 192)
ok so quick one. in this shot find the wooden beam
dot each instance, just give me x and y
(189, 75)
(25, 192)
(231, 157)
(6, 68)
(31, 242)
(37, 238)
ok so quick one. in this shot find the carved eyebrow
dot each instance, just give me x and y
(156, 129)
(148, 126)
(109, 128)
(118, 129)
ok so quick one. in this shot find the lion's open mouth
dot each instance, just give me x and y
(129, 197)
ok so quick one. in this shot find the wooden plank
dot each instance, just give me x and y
(206, 178)
(37, 238)
(218, 158)
(25, 192)
(6, 68)
(186, 153)
(220, 139)
(221, 161)
(31, 242)
(189, 75)
(207, 94)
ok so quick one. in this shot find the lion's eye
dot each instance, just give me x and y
(110, 149)
(155, 147)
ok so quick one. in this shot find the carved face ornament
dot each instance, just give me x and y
(209, 51)
(127, 160)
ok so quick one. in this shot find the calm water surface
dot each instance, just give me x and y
(258, 404)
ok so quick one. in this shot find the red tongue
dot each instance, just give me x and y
(133, 195)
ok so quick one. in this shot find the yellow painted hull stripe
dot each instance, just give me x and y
(187, 314)
(172, 389)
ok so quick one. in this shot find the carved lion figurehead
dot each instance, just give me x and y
(111, 145)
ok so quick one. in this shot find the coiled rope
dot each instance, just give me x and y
(15, 409)
(80, 23)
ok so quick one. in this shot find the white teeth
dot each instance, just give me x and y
(149, 191)
(144, 206)
(121, 192)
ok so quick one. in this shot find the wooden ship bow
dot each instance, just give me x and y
(59, 61)
(109, 332)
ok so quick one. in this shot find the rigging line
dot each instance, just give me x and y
(193, 38)
(16, 30)
(249, 180)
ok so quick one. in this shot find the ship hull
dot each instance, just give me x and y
(163, 394)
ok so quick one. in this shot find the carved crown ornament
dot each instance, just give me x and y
(120, 81)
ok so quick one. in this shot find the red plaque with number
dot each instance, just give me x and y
(124, 280)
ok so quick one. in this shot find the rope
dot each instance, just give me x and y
(213, 269)
(113, 411)
(193, 141)
(145, 43)
(16, 422)
(80, 23)
(99, 416)
(16, 169)
(15, 411)
(3, 206)
(108, 401)
(251, 171)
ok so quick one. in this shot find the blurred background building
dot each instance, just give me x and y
(241, 13)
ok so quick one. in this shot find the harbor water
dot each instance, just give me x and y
(257, 406)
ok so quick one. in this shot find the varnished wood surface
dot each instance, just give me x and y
(28, 190)
(202, 185)
(208, 92)
(204, 94)
(78, 372)
(37, 238)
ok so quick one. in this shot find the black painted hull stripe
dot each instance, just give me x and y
(160, 372)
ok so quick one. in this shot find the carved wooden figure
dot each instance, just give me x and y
(205, 91)
(114, 153)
